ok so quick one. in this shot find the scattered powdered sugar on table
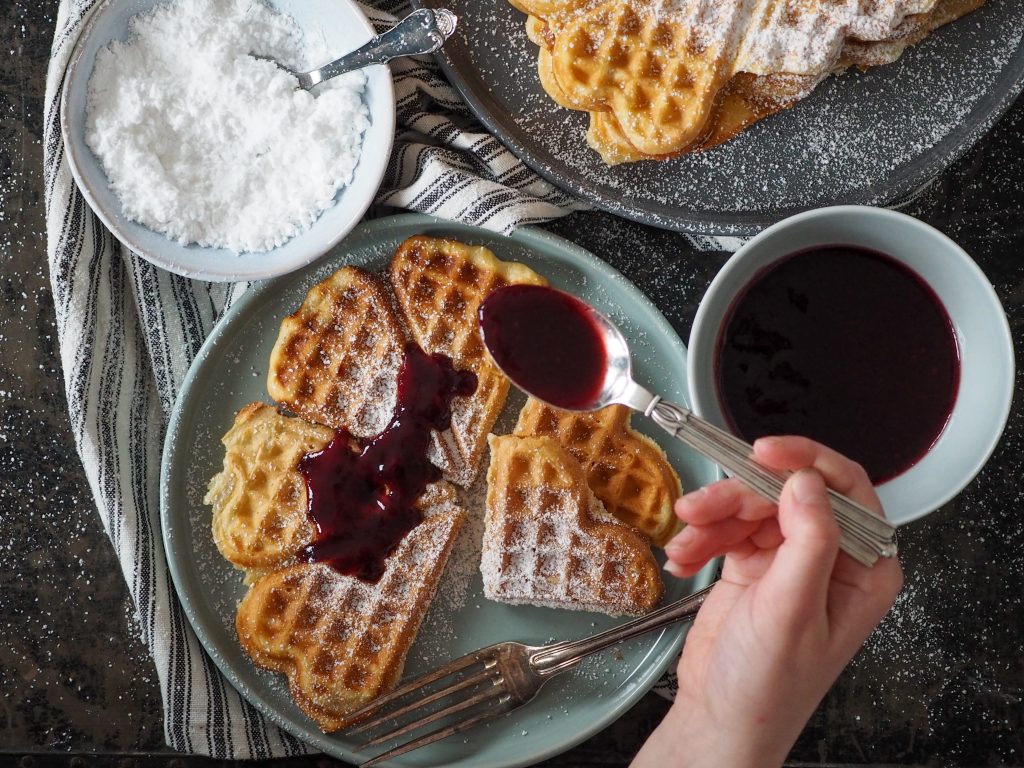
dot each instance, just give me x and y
(207, 144)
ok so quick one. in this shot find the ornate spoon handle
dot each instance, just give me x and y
(865, 535)
(423, 31)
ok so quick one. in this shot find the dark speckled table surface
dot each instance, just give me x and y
(940, 683)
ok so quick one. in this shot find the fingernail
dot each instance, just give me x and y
(694, 496)
(809, 488)
(767, 441)
(674, 569)
(681, 540)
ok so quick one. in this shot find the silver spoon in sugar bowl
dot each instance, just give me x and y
(564, 352)
(423, 31)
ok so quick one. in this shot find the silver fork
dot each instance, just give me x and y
(494, 680)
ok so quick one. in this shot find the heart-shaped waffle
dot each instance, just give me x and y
(659, 77)
(342, 641)
(337, 356)
(259, 498)
(627, 471)
(440, 285)
(548, 541)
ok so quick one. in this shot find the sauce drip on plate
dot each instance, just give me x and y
(547, 342)
(362, 496)
(846, 346)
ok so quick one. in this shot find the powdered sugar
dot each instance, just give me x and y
(207, 144)
(541, 545)
(766, 37)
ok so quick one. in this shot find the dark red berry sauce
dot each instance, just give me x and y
(846, 346)
(362, 501)
(547, 342)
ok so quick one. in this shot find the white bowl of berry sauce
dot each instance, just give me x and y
(866, 330)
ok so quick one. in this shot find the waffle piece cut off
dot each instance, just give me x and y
(548, 541)
(628, 473)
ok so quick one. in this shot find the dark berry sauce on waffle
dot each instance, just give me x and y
(362, 494)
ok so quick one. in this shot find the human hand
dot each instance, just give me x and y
(788, 614)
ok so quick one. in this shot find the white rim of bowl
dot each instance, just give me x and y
(217, 275)
(695, 345)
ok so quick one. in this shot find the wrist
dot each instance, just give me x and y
(692, 735)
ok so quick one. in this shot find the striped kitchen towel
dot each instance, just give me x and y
(129, 331)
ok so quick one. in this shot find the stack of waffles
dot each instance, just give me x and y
(663, 77)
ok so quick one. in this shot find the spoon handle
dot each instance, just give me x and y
(422, 31)
(864, 535)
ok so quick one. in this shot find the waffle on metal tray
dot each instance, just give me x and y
(663, 77)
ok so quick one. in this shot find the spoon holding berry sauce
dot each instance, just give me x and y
(561, 350)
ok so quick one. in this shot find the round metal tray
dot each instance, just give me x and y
(870, 137)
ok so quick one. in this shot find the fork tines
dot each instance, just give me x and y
(478, 683)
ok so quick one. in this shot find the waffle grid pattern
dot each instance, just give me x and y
(663, 77)
(337, 357)
(548, 541)
(341, 641)
(627, 472)
(440, 285)
(259, 498)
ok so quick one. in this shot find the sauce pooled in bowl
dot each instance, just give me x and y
(846, 346)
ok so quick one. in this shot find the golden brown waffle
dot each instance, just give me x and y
(660, 77)
(627, 471)
(340, 640)
(337, 357)
(548, 541)
(654, 75)
(440, 285)
(259, 497)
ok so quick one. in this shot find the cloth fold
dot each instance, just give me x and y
(129, 331)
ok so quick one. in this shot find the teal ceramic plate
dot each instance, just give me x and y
(230, 371)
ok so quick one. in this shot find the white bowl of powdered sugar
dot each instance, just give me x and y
(203, 156)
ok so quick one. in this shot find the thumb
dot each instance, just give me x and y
(802, 568)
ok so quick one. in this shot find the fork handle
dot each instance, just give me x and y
(553, 659)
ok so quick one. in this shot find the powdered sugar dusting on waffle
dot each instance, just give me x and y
(808, 38)
(548, 541)
(341, 640)
(860, 137)
(549, 561)
(765, 37)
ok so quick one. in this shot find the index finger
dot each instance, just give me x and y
(841, 474)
